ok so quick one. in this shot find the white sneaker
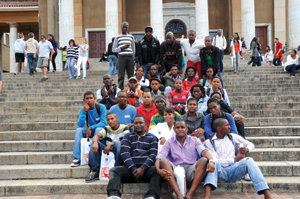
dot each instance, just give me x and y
(78, 77)
(75, 163)
(83, 77)
(113, 197)
(22, 71)
(15, 73)
(247, 177)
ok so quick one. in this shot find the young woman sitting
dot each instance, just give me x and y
(143, 83)
(216, 87)
(207, 80)
(198, 92)
(292, 63)
(178, 97)
(190, 78)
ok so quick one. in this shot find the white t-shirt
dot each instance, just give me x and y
(192, 52)
(44, 48)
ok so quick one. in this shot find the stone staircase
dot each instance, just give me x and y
(38, 122)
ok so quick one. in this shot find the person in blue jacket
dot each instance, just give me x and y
(214, 107)
(94, 116)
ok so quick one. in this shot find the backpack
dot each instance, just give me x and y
(220, 89)
(211, 117)
(213, 142)
(98, 111)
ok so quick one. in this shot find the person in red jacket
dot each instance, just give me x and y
(190, 78)
(278, 53)
(148, 108)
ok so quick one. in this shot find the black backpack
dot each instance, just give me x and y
(98, 111)
(208, 91)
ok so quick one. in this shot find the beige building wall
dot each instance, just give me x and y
(93, 14)
(219, 16)
(78, 28)
(236, 17)
(280, 20)
(5, 57)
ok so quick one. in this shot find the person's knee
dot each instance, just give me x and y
(79, 131)
(202, 161)
(164, 163)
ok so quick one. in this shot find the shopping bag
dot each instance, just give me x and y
(179, 173)
(86, 144)
(107, 162)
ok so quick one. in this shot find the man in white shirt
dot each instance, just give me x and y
(230, 167)
(220, 42)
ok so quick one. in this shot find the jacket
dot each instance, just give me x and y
(31, 45)
(215, 57)
(109, 50)
(19, 46)
(170, 54)
(142, 50)
(169, 81)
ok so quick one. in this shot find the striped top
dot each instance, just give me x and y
(138, 151)
(123, 40)
(73, 52)
(175, 99)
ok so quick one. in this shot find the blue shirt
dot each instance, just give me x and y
(126, 116)
(206, 83)
(94, 120)
(202, 104)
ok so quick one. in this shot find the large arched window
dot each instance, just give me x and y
(177, 27)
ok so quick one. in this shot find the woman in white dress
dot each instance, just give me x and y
(268, 58)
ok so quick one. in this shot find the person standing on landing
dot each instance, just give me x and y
(236, 47)
(55, 47)
(124, 45)
(30, 47)
(278, 53)
(20, 53)
(112, 58)
(72, 56)
(220, 42)
(83, 48)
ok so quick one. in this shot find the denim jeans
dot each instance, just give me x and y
(112, 63)
(72, 72)
(219, 74)
(292, 68)
(254, 61)
(221, 61)
(235, 172)
(277, 62)
(146, 69)
(30, 61)
(95, 158)
(80, 133)
(236, 62)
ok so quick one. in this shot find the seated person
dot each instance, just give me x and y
(178, 97)
(230, 167)
(133, 94)
(104, 57)
(194, 119)
(153, 73)
(138, 152)
(139, 75)
(164, 131)
(214, 108)
(94, 117)
(207, 80)
(161, 103)
(125, 112)
(111, 141)
(148, 108)
(170, 77)
(292, 63)
(198, 92)
(174, 152)
(155, 87)
(190, 80)
(107, 95)
(216, 82)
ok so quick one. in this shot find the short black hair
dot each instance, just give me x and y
(200, 87)
(111, 113)
(173, 66)
(192, 99)
(88, 93)
(295, 51)
(140, 116)
(277, 39)
(216, 77)
(138, 67)
(147, 90)
(121, 92)
(216, 93)
(212, 100)
(218, 122)
(169, 110)
(179, 120)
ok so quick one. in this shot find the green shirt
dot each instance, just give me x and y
(209, 61)
(157, 118)
(115, 135)
(64, 56)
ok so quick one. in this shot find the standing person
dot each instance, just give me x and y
(43, 50)
(136, 57)
(278, 53)
(83, 48)
(192, 48)
(254, 54)
(72, 56)
(236, 47)
(124, 45)
(55, 47)
(30, 47)
(20, 52)
(292, 63)
(220, 42)
(148, 50)
(112, 58)
(244, 48)
(268, 56)
(64, 56)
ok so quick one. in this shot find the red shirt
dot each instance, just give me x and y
(187, 85)
(278, 46)
(142, 111)
(174, 98)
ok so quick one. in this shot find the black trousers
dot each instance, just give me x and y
(53, 61)
(125, 63)
(120, 174)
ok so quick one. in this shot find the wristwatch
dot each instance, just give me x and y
(212, 160)
(107, 97)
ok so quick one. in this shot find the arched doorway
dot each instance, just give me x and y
(177, 27)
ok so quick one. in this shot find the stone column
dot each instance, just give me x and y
(12, 38)
(279, 21)
(157, 19)
(293, 24)
(67, 22)
(111, 20)
(202, 27)
(247, 20)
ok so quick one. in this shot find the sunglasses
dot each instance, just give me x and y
(148, 30)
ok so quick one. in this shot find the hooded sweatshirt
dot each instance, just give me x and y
(19, 46)
(31, 45)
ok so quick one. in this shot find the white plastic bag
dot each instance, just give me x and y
(179, 173)
(107, 162)
(85, 150)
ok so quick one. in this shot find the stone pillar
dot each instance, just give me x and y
(111, 20)
(279, 21)
(248, 20)
(67, 22)
(202, 27)
(12, 38)
(293, 24)
(157, 19)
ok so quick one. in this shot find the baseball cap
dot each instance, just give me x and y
(133, 78)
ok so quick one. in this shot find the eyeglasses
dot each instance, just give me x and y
(148, 30)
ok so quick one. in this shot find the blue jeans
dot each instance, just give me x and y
(146, 69)
(219, 74)
(236, 172)
(72, 72)
(95, 158)
(221, 61)
(277, 62)
(30, 61)
(80, 133)
(292, 68)
(112, 61)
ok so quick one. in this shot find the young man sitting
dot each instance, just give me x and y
(230, 167)
(107, 94)
(138, 151)
(94, 116)
(171, 77)
(153, 73)
(155, 85)
(111, 141)
(190, 80)
(134, 94)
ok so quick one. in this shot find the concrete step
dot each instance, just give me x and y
(39, 117)
(37, 135)
(272, 121)
(275, 154)
(33, 126)
(276, 142)
(269, 131)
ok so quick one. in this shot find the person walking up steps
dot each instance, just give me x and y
(83, 48)
(20, 52)
(30, 47)
(236, 47)
(72, 56)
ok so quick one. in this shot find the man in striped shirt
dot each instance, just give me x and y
(138, 152)
(124, 45)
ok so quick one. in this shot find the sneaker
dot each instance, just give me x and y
(44, 79)
(22, 71)
(113, 197)
(247, 177)
(78, 77)
(15, 73)
(53, 71)
(150, 197)
(83, 78)
(75, 163)
(94, 175)
(34, 70)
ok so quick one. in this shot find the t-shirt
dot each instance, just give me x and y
(115, 135)
(44, 48)
(125, 116)
(279, 46)
(209, 61)
(64, 56)
(157, 118)
(206, 83)
(81, 52)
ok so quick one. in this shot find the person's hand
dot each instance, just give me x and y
(107, 149)
(197, 79)
(179, 109)
(198, 132)
(138, 174)
(135, 95)
(223, 50)
(148, 76)
(86, 107)
(165, 174)
(128, 95)
(231, 54)
(129, 125)
(88, 132)
(50, 59)
(208, 86)
(243, 150)
(34, 56)
(162, 141)
(210, 167)
(239, 157)
(110, 91)
(26, 56)
(79, 45)
(239, 120)
(95, 147)
(201, 48)
(104, 93)
(126, 46)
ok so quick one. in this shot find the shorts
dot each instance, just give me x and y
(42, 62)
(19, 56)
(189, 173)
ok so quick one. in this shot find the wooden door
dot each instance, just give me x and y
(261, 33)
(97, 44)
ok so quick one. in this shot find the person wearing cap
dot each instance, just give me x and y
(170, 78)
(190, 78)
(133, 93)
(148, 50)
(155, 87)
